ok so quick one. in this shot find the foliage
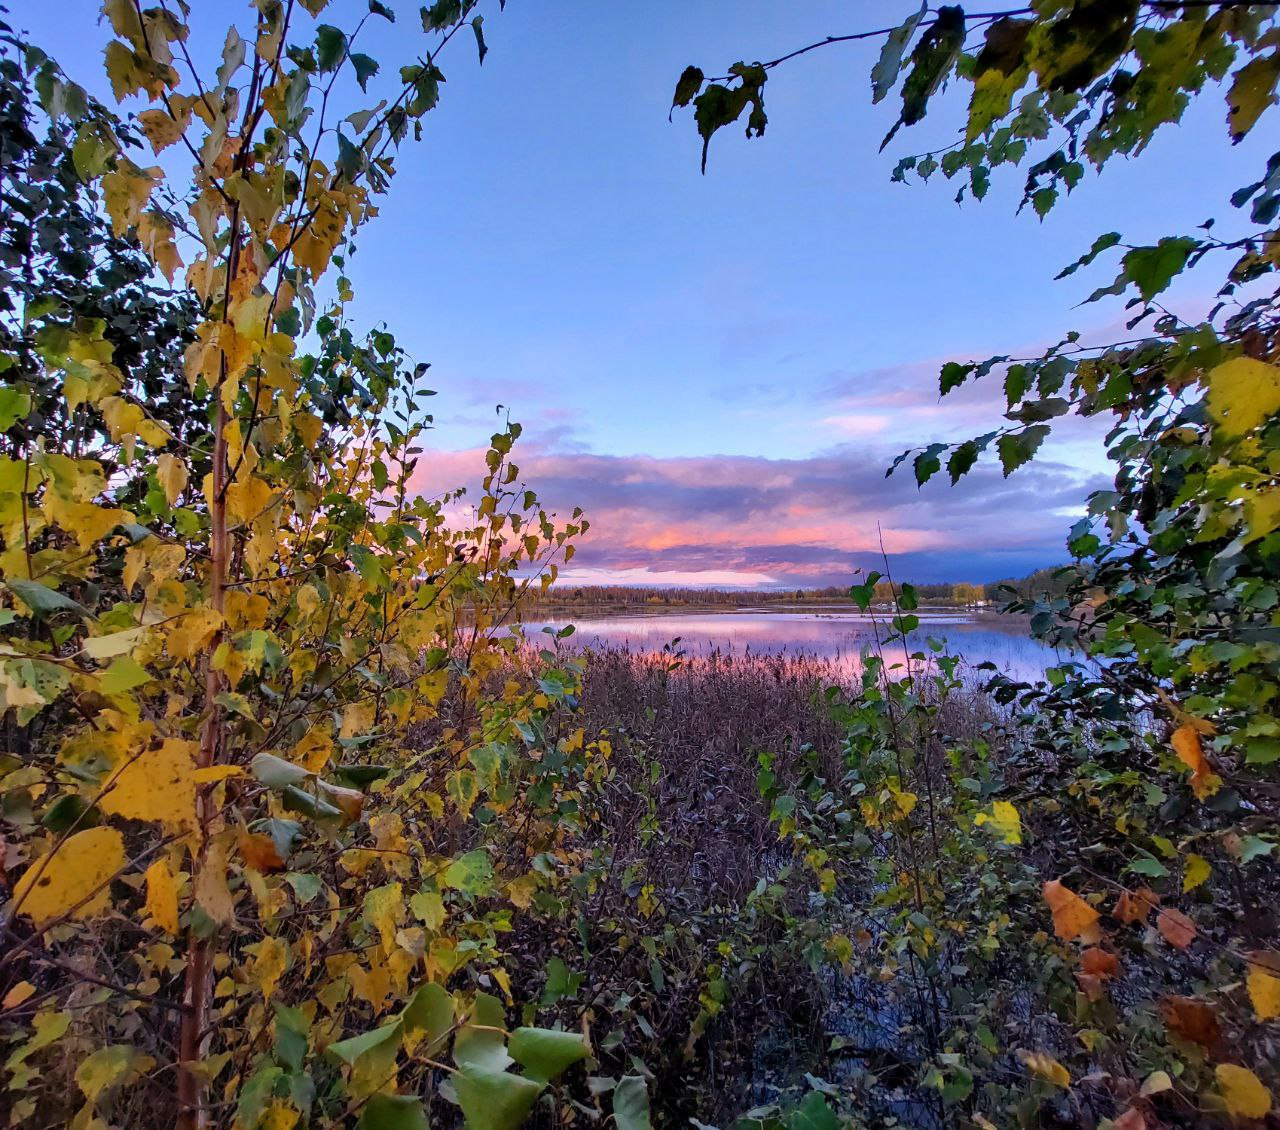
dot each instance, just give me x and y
(1144, 769)
(276, 791)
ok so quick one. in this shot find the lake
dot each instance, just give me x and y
(836, 633)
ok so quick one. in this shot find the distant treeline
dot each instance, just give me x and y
(950, 594)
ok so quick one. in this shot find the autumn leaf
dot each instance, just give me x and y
(1004, 821)
(1098, 962)
(1191, 1019)
(259, 852)
(1196, 873)
(171, 474)
(1072, 916)
(1186, 744)
(212, 894)
(110, 1067)
(1243, 393)
(1175, 927)
(1046, 1067)
(1243, 1091)
(1135, 906)
(157, 784)
(162, 897)
(73, 879)
(1263, 981)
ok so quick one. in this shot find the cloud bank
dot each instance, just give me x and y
(759, 522)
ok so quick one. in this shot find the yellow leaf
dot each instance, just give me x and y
(126, 191)
(1072, 916)
(269, 964)
(1253, 89)
(1004, 820)
(211, 774)
(1242, 1091)
(212, 893)
(1046, 1067)
(1196, 872)
(162, 897)
(1243, 393)
(155, 233)
(1264, 985)
(279, 1115)
(171, 474)
(88, 523)
(110, 1067)
(161, 128)
(384, 910)
(193, 633)
(158, 784)
(73, 880)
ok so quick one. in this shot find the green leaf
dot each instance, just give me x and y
(885, 73)
(545, 1053)
(1149, 865)
(124, 674)
(1151, 269)
(477, 26)
(305, 886)
(931, 61)
(66, 812)
(953, 376)
(350, 1050)
(1017, 448)
(690, 82)
(14, 406)
(814, 1114)
(430, 1010)
(377, 8)
(495, 1100)
(393, 1112)
(292, 1040)
(631, 1104)
(1251, 847)
(366, 67)
(481, 1042)
(1101, 244)
(44, 601)
(275, 772)
(471, 873)
(331, 46)
(441, 14)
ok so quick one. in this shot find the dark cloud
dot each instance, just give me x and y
(813, 521)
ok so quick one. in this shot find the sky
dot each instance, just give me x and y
(718, 369)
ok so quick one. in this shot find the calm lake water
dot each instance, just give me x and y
(835, 633)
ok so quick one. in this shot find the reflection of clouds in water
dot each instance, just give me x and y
(839, 638)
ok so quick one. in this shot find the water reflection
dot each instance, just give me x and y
(836, 635)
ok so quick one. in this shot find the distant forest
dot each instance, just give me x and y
(960, 594)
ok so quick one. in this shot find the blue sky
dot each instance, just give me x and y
(552, 246)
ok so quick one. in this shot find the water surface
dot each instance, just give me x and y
(836, 633)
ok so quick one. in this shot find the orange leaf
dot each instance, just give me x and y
(1098, 963)
(1135, 906)
(259, 852)
(1132, 1119)
(1186, 744)
(1193, 1020)
(1072, 916)
(1175, 927)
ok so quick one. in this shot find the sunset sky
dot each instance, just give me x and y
(718, 369)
